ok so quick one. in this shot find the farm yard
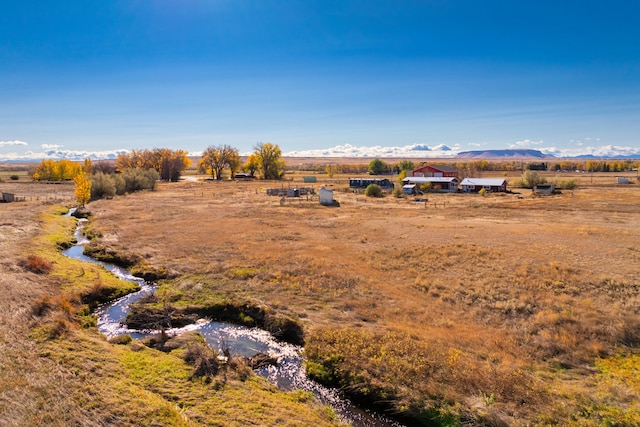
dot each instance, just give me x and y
(313, 214)
(506, 309)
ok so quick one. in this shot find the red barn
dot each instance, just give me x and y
(435, 171)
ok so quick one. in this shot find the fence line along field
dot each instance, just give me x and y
(506, 309)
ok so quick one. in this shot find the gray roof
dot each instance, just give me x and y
(484, 182)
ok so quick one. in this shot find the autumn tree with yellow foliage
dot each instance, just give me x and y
(270, 160)
(83, 188)
(61, 170)
(252, 164)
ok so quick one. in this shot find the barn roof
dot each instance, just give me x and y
(439, 168)
(425, 179)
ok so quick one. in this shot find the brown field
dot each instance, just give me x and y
(504, 296)
(507, 309)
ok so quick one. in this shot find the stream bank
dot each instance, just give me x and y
(287, 374)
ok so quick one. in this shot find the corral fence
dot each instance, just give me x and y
(29, 198)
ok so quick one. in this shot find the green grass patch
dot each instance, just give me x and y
(90, 283)
(130, 384)
(618, 397)
(137, 385)
(242, 273)
(623, 368)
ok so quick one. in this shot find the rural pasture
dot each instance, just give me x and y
(506, 309)
(458, 300)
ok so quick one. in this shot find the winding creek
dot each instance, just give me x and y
(289, 374)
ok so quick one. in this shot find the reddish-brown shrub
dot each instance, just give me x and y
(37, 264)
(42, 305)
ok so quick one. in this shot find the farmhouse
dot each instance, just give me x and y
(438, 184)
(434, 171)
(494, 185)
(365, 182)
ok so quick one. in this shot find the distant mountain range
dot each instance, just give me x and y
(503, 154)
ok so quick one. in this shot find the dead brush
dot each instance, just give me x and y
(205, 361)
(42, 305)
(213, 366)
(37, 264)
(58, 327)
(64, 305)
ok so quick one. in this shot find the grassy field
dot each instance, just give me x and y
(496, 307)
(506, 309)
(59, 371)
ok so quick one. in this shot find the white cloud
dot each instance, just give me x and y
(12, 143)
(595, 151)
(55, 154)
(407, 151)
(573, 149)
(524, 144)
(444, 151)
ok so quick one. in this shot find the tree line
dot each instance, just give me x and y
(266, 158)
(473, 167)
(141, 169)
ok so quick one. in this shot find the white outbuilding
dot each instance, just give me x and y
(326, 197)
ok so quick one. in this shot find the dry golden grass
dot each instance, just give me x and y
(34, 193)
(499, 309)
(521, 290)
(57, 370)
(34, 388)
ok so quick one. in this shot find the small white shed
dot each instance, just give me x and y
(326, 197)
(409, 189)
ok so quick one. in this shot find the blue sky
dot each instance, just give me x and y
(403, 78)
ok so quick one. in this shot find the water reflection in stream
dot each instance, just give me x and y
(289, 374)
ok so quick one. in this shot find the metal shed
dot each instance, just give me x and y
(8, 197)
(544, 189)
